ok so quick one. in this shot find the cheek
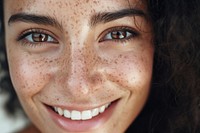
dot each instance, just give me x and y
(28, 76)
(131, 71)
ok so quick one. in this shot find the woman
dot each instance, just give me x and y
(92, 66)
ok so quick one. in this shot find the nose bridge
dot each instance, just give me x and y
(81, 62)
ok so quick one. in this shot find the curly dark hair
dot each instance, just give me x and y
(174, 102)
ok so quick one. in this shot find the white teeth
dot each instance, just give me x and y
(95, 112)
(67, 114)
(56, 109)
(78, 115)
(102, 109)
(86, 115)
(108, 104)
(60, 111)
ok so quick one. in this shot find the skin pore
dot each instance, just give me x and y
(77, 56)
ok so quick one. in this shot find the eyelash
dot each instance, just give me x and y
(27, 35)
(130, 33)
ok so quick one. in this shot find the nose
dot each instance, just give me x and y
(78, 75)
(81, 71)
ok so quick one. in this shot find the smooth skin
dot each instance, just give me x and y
(78, 59)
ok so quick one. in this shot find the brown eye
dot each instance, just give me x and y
(37, 37)
(119, 34)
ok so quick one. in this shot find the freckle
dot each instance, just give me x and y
(117, 81)
(95, 2)
(56, 60)
(116, 61)
(120, 56)
(20, 9)
(77, 21)
(23, 87)
(66, 4)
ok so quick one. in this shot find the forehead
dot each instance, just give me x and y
(54, 6)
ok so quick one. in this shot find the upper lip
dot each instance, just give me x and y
(79, 107)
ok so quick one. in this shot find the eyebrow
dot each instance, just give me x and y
(37, 19)
(103, 17)
(106, 17)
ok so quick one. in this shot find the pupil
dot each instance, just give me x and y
(118, 34)
(39, 37)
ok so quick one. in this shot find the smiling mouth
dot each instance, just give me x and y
(81, 115)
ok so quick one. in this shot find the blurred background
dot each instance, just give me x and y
(9, 124)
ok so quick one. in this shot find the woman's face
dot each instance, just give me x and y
(79, 65)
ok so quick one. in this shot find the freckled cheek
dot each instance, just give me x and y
(131, 73)
(28, 79)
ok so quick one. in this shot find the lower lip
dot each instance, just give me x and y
(80, 125)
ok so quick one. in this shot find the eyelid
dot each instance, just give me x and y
(118, 28)
(28, 32)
